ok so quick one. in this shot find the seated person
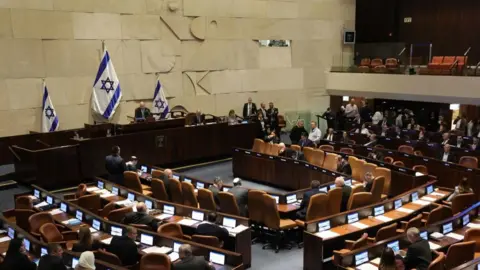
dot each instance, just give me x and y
(212, 229)
(297, 131)
(346, 191)
(343, 166)
(189, 262)
(240, 194)
(475, 145)
(387, 260)
(345, 138)
(286, 152)
(141, 113)
(125, 247)
(419, 255)
(363, 130)
(141, 217)
(85, 241)
(272, 138)
(445, 138)
(132, 164)
(215, 189)
(376, 154)
(447, 156)
(53, 260)
(167, 175)
(199, 118)
(462, 188)
(302, 212)
(304, 141)
(373, 141)
(232, 118)
(460, 143)
(368, 181)
(329, 135)
(16, 257)
(86, 261)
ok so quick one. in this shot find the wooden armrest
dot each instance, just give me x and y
(349, 244)
(69, 196)
(425, 214)
(70, 235)
(447, 203)
(187, 237)
(400, 231)
(403, 224)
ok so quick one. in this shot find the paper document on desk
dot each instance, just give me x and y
(173, 256)
(42, 204)
(55, 212)
(420, 202)
(106, 195)
(376, 261)
(91, 189)
(455, 236)
(425, 198)
(163, 216)
(101, 191)
(107, 241)
(405, 210)
(68, 221)
(367, 266)
(4, 239)
(436, 194)
(359, 225)
(433, 246)
(418, 174)
(123, 202)
(383, 218)
(327, 234)
(155, 249)
(187, 222)
(238, 229)
(473, 225)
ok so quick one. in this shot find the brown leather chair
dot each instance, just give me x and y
(308, 154)
(117, 215)
(405, 149)
(399, 163)
(255, 206)
(317, 208)
(330, 162)
(23, 202)
(90, 202)
(334, 201)
(388, 160)
(158, 190)
(385, 233)
(228, 203)
(318, 157)
(414, 222)
(274, 149)
(359, 199)
(462, 201)
(434, 216)
(365, 62)
(421, 169)
(357, 188)
(469, 162)
(155, 261)
(206, 200)
(132, 181)
(387, 174)
(172, 230)
(38, 220)
(176, 194)
(207, 240)
(109, 207)
(296, 147)
(258, 145)
(107, 257)
(369, 167)
(189, 198)
(326, 147)
(439, 262)
(81, 190)
(347, 150)
(281, 122)
(377, 189)
(473, 235)
(459, 253)
(158, 174)
(271, 219)
(21, 218)
(357, 168)
(352, 245)
(418, 153)
(51, 234)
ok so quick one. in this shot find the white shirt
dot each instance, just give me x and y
(398, 121)
(315, 135)
(377, 117)
(351, 111)
(445, 157)
(330, 137)
(365, 131)
(457, 125)
(469, 128)
(249, 109)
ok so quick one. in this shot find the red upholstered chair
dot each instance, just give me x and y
(447, 62)
(365, 62)
(405, 149)
(436, 62)
(469, 162)
(376, 62)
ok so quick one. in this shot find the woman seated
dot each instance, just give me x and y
(16, 257)
(462, 188)
(232, 118)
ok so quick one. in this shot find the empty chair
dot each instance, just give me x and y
(228, 203)
(405, 149)
(107, 257)
(469, 162)
(347, 150)
(206, 200)
(326, 147)
(155, 261)
(447, 62)
(258, 145)
(376, 62)
(295, 147)
(81, 190)
(255, 206)
(308, 154)
(388, 160)
(274, 149)
(385, 233)
(414, 222)
(357, 188)
(391, 63)
(365, 62)
(51, 234)
(357, 167)
(352, 245)
(334, 201)
(399, 163)
(90, 202)
(459, 253)
(158, 190)
(109, 207)
(359, 199)
(38, 220)
(117, 215)
(189, 198)
(172, 230)
(421, 169)
(23, 202)
(330, 162)
(175, 188)
(387, 174)
(436, 62)
(21, 218)
(318, 157)
(473, 235)
(462, 201)
(131, 181)
(377, 188)
(317, 208)
(435, 216)
(207, 240)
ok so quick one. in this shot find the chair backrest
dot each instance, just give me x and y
(354, 163)
(271, 217)
(274, 149)
(131, 181)
(205, 199)
(365, 62)
(358, 172)
(438, 263)
(296, 147)
(175, 188)
(107, 257)
(334, 201)
(376, 62)
(386, 232)
(347, 150)
(308, 154)
(357, 188)
(50, 233)
(461, 60)
(391, 62)
(318, 157)
(418, 153)
(171, 229)
(158, 190)
(405, 149)
(359, 199)
(361, 242)
(437, 59)
(117, 215)
(459, 253)
(435, 215)
(317, 207)
(388, 160)
(90, 202)
(377, 188)
(81, 190)
(255, 205)
(228, 203)
(155, 261)
(37, 220)
(107, 209)
(421, 169)
(326, 147)
(258, 145)
(448, 60)
(387, 174)
(379, 146)
(399, 163)
(206, 240)
(469, 162)
(462, 201)
(189, 198)
(23, 202)
(330, 162)
(369, 167)
(157, 173)
(21, 218)
(414, 222)
(473, 235)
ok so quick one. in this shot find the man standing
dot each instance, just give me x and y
(115, 166)
(315, 134)
(249, 108)
(365, 112)
(132, 164)
(351, 110)
(141, 217)
(297, 131)
(302, 212)
(263, 111)
(240, 194)
(141, 113)
(329, 117)
(53, 260)
(272, 113)
(124, 247)
(190, 262)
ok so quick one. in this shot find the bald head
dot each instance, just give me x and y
(141, 207)
(142, 104)
(168, 172)
(339, 181)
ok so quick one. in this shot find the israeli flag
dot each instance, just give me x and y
(106, 89)
(160, 103)
(49, 115)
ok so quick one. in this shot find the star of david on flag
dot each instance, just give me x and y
(49, 115)
(106, 89)
(160, 103)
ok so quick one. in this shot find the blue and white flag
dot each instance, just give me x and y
(106, 89)
(160, 103)
(49, 115)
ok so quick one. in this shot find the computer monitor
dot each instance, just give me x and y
(96, 224)
(332, 186)
(197, 215)
(292, 198)
(217, 258)
(49, 200)
(131, 197)
(149, 204)
(176, 246)
(414, 196)
(229, 222)
(352, 218)
(116, 231)
(429, 189)
(465, 220)
(168, 209)
(146, 239)
(398, 203)
(446, 228)
(115, 191)
(43, 251)
(361, 258)
(324, 225)
(395, 246)
(144, 169)
(26, 243)
(348, 182)
(36, 193)
(379, 210)
(176, 177)
(323, 189)
(63, 207)
(100, 185)
(74, 262)
(277, 199)
(188, 180)
(11, 232)
(79, 215)
(225, 189)
(200, 185)
(424, 235)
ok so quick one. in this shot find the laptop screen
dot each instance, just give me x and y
(144, 169)
(176, 246)
(74, 262)
(116, 231)
(131, 197)
(379, 210)
(79, 215)
(465, 220)
(100, 184)
(429, 189)
(96, 224)
(188, 180)
(323, 189)
(414, 196)
(348, 182)
(49, 200)
(11, 233)
(361, 258)
(447, 228)
(398, 204)
(43, 251)
(200, 185)
(395, 246)
(352, 218)
(424, 235)
(292, 198)
(168, 209)
(115, 191)
(26, 243)
(196, 215)
(146, 239)
(149, 204)
(225, 189)
(176, 177)
(63, 207)
(217, 258)
(229, 222)
(324, 225)
(36, 193)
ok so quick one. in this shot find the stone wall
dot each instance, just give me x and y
(204, 50)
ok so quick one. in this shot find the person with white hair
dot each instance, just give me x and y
(285, 152)
(346, 191)
(240, 194)
(190, 262)
(86, 261)
(419, 255)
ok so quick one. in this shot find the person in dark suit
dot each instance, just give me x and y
(16, 257)
(286, 152)
(419, 255)
(132, 164)
(475, 145)
(263, 111)
(212, 229)
(329, 117)
(343, 166)
(447, 156)
(346, 191)
(330, 135)
(262, 127)
(272, 137)
(368, 181)
(240, 194)
(365, 112)
(375, 154)
(199, 118)
(124, 247)
(190, 262)
(445, 138)
(272, 113)
(302, 212)
(373, 141)
(215, 189)
(345, 138)
(304, 141)
(115, 166)
(167, 174)
(141, 217)
(249, 108)
(460, 143)
(297, 131)
(141, 113)
(53, 260)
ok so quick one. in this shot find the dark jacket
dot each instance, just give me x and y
(306, 143)
(302, 212)
(115, 167)
(49, 262)
(18, 262)
(215, 192)
(241, 196)
(212, 230)
(273, 117)
(451, 157)
(296, 133)
(368, 186)
(130, 167)
(125, 248)
(288, 153)
(346, 191)
(192, 263)
(418, 255)
(166, 183)
(79, 247)
(139, 115)
(345, 168)
(140, 218)
(245, 109)
(325, 137)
